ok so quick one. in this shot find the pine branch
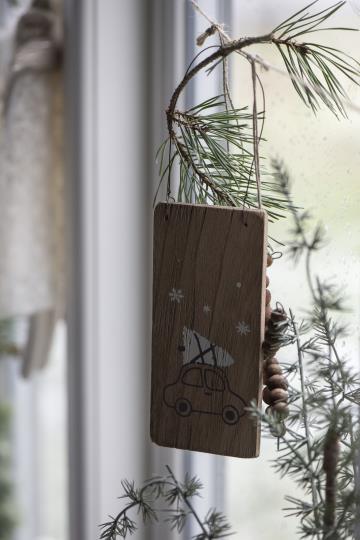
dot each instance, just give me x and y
(221, 53)
(186, 500)
(215, 149)
(179, 508)
(209, 171)
(313, 64)
(305, 419)
(332, 454)
(303, 22)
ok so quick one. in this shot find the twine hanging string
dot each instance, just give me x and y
(168, 184)
(256, 136)
(169, 196)
(225, 38)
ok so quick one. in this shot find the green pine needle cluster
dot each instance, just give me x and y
(320, 448)
(212, 144)
(315, 68)
(214, 148)
(149, 500)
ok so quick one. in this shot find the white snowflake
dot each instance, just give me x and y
(206, 309)
(242, 328)
(238, 285)
(176, 295)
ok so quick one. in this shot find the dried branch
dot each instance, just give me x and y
(331, 458)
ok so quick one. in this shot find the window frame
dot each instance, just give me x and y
(167, 33)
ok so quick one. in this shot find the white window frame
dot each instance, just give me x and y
(118, 80)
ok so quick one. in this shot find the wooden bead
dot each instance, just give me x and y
(273, 369)
(265, 377)
(271, 361)
(278, 394)
(275, 396)
(281, 408)
(267, 281)
(268, 311)
(269, 260)
(267, 297)
(270, 369)
(266, 396)
(277, 381)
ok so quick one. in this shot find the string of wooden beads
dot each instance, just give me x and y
(275, 392)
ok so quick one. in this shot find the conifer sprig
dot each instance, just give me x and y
(304, 22)
(321, 446)
(212, 143)
(316, 69)
(214, 146)
(147, 502)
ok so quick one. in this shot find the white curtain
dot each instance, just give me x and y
(31, 186)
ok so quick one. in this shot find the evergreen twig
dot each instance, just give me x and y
(177, 497)
(203, 154)
(333, 447)
(305, 419)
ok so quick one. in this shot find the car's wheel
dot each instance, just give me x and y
(183, 407)
(230, 415)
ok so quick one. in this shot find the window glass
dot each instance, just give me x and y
(193, 377)
(213, 380)
(323, 158)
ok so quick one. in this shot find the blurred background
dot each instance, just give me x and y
(84, 87)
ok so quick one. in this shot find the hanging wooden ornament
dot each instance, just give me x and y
(208, 327)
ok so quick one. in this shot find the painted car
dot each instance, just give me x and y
(204, 388)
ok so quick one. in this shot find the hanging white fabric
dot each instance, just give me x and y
(32, 185)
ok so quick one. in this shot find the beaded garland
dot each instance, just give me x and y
(275, 393)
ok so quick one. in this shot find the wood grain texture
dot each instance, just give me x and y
(208, 323)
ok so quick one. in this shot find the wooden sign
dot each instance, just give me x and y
(208, 323)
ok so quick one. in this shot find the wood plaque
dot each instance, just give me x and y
(208, 326)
